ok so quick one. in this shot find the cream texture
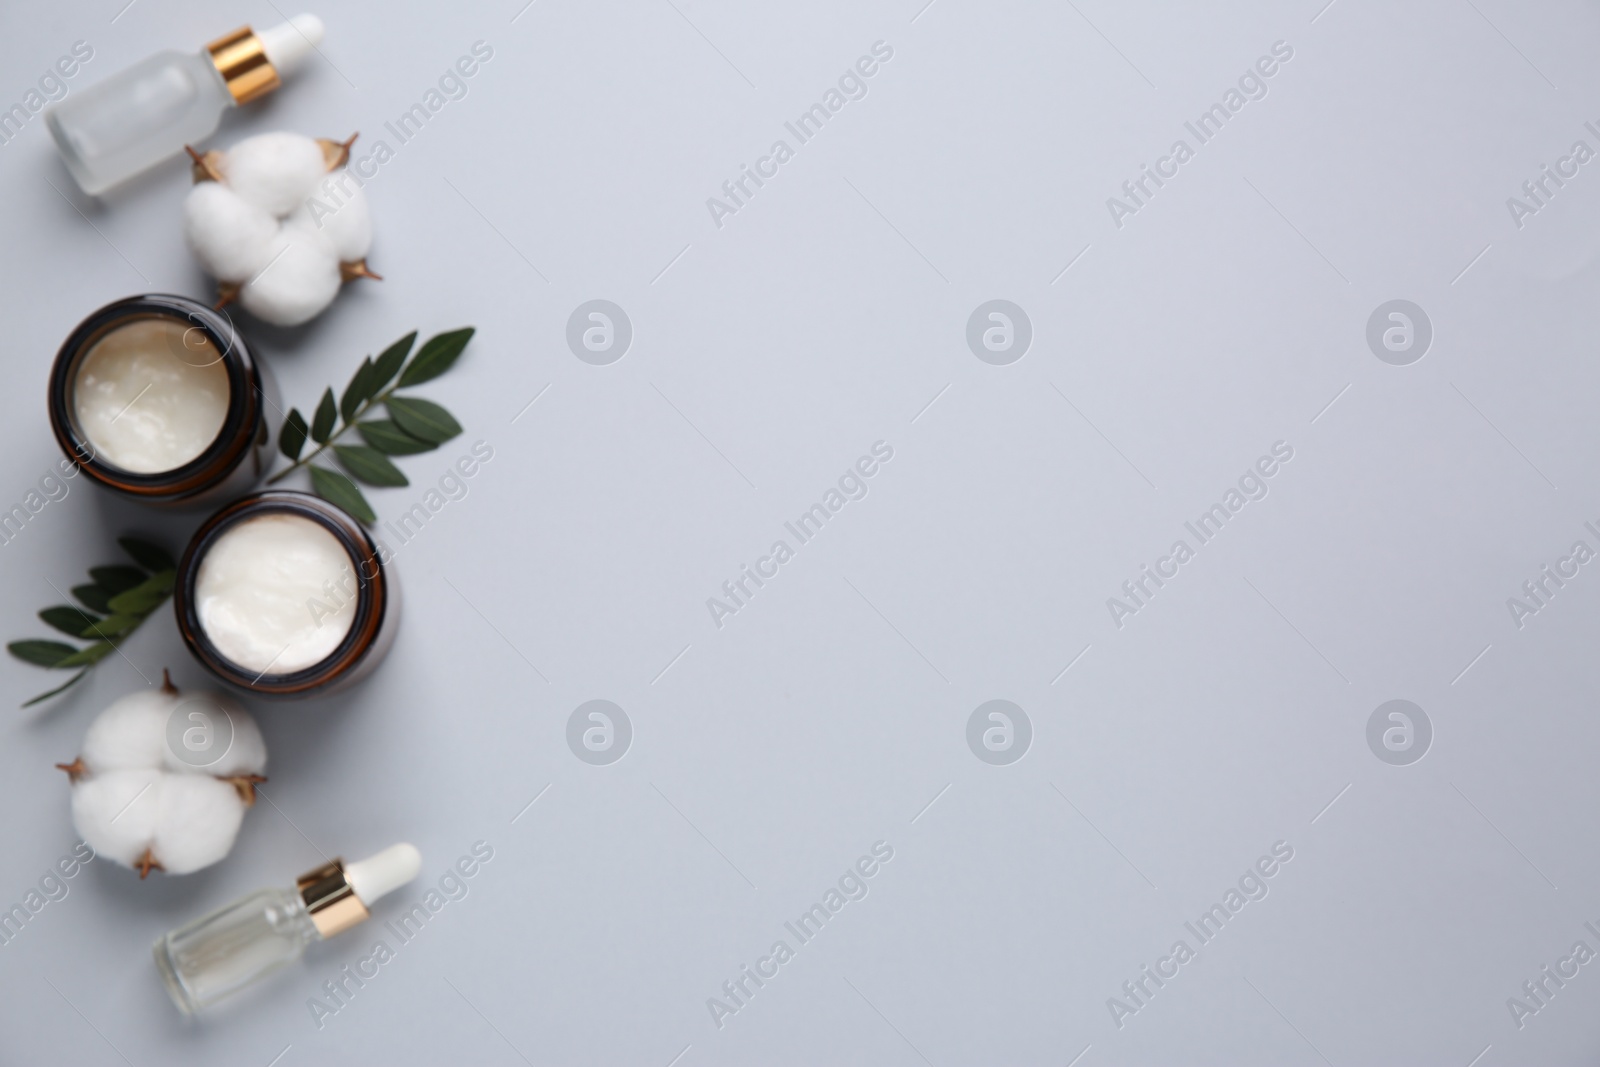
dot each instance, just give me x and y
(276, 593)
(151, 395)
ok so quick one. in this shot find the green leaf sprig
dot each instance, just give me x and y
(117, 598)
(414, 425)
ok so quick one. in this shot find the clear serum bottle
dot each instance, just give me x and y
(134, 119)
(247, 940)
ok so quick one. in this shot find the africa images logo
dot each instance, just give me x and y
(1252, 85)
(1252, 485)
(852, 85)
(1252, 885)
(852, 885)
(852, 485)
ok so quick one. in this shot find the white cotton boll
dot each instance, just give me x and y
(272, 193)
(338, 210)
(197, 820)
(132, 732)
(246, 752)
(301, 278)
(275, 171)
(142, 793)
(116, 812)
(248, 755)
(228, 235)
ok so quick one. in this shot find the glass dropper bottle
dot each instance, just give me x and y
(140, 116)
(245, 941)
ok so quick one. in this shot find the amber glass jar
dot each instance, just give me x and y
(282, 594)
(158, 398)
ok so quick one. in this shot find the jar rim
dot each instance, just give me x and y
(242, 424)
(373, 594)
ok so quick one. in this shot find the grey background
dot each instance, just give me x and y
(767, 356)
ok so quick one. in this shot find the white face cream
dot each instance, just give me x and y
(151, 395)
(276, 593)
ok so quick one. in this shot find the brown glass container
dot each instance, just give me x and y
(377, 613)
(234, 461)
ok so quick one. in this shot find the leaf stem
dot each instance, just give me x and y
(133, 603)
(305, 461)
(58, 689)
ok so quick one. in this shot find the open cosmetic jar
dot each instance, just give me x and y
(158, 398)
(282, 594)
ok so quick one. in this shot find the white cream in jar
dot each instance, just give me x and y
(151, 395)
(276, 593)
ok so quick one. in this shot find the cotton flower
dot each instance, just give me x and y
(280, 223)
(164, 778)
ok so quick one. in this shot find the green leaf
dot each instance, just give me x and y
(113, 626)
(387, 365)
(145, 597)
(437, 354)
(335, 488)
(41, 653)
(116, 580)
(359, 389)
(292, 438)
(423, 418)
(390, 439)
(123, 594)
(151, 557)
(369, 465)
(68, 620)
(68, 684)
(322, 422)
(94, 597)
(88, 657)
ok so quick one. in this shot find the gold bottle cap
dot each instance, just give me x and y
(241, 59)
(332, 903)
